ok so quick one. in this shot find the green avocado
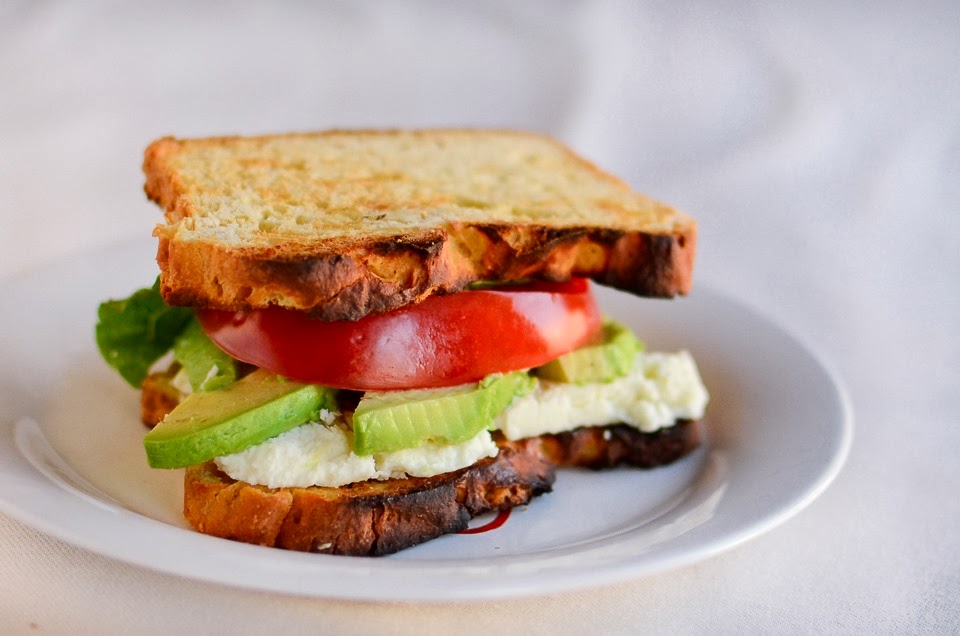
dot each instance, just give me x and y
(214, 423)
(206, 366)
(387, 421)
(606, 361)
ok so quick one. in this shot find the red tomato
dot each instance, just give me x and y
(443, 341)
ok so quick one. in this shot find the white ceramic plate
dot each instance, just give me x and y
(71, 464)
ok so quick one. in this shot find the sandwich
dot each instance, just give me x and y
(359, 341)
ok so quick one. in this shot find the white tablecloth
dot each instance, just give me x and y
(818, 144)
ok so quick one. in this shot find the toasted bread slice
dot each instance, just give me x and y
(373, 518)
(342, 224)
(158, 396)
(382, 517)
(369, 518)
(602, 447)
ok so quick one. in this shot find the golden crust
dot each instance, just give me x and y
(349, 284)
(158, 396)
(343, 224)
(369, 518)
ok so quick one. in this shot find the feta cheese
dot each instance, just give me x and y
(309, 455)
(433, 459)
(660, 389)
(321, 454)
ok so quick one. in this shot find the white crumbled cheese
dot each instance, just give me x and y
(320, 454)
(433, 459)
(660, 389)
(328, 417)
(308, 455)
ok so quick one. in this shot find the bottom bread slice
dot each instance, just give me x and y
(382, 517)
(601, 447)
(370, 517)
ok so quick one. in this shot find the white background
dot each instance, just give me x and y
(817, 143)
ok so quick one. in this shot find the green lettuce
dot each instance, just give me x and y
(133, 333)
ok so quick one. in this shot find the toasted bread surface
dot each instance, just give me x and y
(369, 518)
(602, 447)
(342, 224)
(158, 396)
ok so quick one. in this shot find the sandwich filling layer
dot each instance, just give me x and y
(660, 389)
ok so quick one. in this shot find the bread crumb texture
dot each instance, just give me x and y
(400, 214)
(267, 190)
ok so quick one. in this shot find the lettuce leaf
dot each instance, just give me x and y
(135, 332)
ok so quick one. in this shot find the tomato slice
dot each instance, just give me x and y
(442, 341)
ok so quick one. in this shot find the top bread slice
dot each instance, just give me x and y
(341, 224)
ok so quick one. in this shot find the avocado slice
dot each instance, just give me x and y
(206, 365)
(606, 361)
(214, 423)
(387, 421)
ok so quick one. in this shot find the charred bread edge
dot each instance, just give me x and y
(354, 282)
(602, 447)
(369, 518)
